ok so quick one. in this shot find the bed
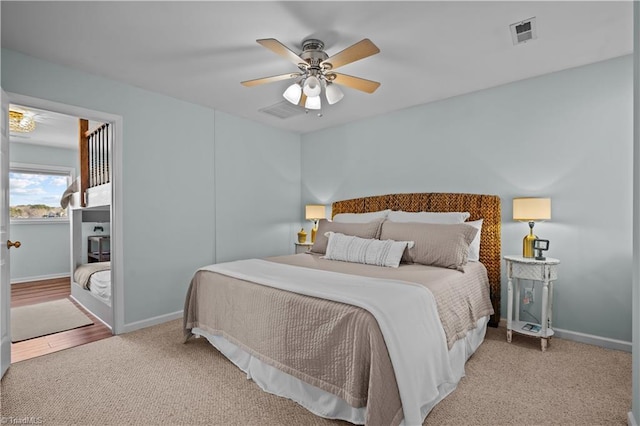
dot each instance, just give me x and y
(95, 277)
(357, 342)
(91, 288)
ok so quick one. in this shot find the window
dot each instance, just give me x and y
(35, 192)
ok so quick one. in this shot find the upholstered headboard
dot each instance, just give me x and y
(486, 207)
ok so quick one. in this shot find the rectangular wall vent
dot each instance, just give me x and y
(284, 109)
(524, 31)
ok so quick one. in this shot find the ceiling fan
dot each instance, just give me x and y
(316, 70)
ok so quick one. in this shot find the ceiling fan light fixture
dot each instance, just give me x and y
(293, 93)
(313, 102)
(312, 86)
(333, 93)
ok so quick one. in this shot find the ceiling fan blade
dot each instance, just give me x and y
(257, 81)
(356, 82)
(303, 100)
(360, 50)
(282, 50)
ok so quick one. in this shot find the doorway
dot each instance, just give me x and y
(114, 210)
(44, 163)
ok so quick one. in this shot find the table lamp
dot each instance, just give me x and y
(315, 212)
(531, 210)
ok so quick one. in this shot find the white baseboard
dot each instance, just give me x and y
(137, 325)
(39, 278)
(630, 420)
(89, 310)
(604, 342)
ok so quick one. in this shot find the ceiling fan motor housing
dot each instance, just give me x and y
(313, 52)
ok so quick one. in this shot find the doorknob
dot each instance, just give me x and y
(17, 244)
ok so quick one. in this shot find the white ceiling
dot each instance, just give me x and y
(200, 51)
(52, 129)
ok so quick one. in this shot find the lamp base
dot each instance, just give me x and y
(314, 230)
(527, 245)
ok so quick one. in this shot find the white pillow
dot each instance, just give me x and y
(474, 247)
(360, 217)
(428, 217)
(368, 251)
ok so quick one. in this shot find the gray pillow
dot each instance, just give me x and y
(362, 230)
(441, 245)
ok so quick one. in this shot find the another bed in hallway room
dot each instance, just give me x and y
(91, 287)
(95, 277)
(364, 343)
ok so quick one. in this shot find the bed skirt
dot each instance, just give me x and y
(325, 404)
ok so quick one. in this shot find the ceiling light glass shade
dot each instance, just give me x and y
(333, 93)
(21, 122)
(313, 102)
(312, 86)
(293, 93)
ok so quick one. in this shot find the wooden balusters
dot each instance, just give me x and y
(94, 147)
(83, 148)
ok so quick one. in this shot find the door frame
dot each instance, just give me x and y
(117, 215)
(5, 255)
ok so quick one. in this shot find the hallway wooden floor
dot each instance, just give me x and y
(44, 291)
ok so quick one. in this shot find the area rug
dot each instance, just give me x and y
(45, 318)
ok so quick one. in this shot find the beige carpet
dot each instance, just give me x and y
(149, 377)
(45, 318)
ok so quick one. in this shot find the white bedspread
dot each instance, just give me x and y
(406, 313)
(100, 285)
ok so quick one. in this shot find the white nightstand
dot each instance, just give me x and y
(303, 247)
(544, 271)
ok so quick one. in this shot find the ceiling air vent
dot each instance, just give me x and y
(283, 110)
(523, 31)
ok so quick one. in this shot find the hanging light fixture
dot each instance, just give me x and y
(21, 122)
(333, 93)
(293, 93)
(313, 102)
(312, 86)
(313, 77)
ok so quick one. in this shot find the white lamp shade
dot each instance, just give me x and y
(531, 209)
(315, 212)
(313, 102)
(333, 93)
(312, 86)
(293, 93)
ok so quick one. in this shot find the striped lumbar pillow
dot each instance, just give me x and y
(368, 251)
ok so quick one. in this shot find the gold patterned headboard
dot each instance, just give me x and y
(486, 207)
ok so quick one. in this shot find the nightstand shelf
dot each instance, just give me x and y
(517, 326)
(543, 271)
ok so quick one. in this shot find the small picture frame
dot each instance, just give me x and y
(539, 246)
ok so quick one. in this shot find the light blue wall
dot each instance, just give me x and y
(44, 253)
(168, 177)
(566, 135)
(257, 189)
(38, 154)
(45, 250)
